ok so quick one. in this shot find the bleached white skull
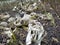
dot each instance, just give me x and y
(35, 32)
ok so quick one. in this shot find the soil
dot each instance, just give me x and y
(53, 32)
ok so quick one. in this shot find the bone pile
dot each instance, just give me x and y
(34, 28)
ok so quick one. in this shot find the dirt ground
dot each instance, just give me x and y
(53, 32)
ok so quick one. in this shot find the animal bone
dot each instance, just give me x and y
(35, 32)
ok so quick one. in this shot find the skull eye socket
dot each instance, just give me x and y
(31, 32)
(22, 21)
(36, 37)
